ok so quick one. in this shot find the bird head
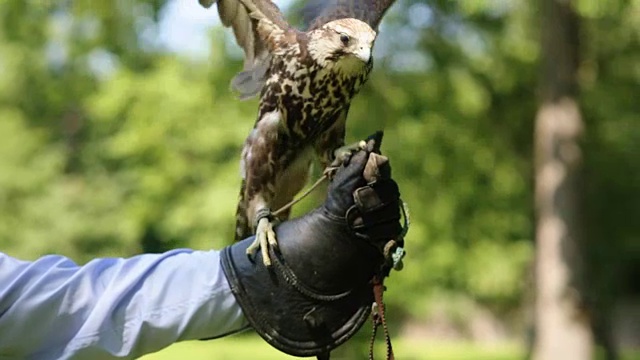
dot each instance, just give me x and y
(344, 44)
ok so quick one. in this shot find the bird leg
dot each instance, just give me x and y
(265, 236)
(340, 155)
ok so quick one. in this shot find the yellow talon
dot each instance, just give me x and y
(340, 154)
(265, 237)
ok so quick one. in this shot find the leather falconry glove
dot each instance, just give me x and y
(318, 293)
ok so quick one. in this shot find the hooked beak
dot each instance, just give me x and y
(364, 53)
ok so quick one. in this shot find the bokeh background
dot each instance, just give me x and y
(119, 135)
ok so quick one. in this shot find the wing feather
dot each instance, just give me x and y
(242, 17)
(319, 12)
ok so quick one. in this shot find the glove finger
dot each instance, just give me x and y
(377, 168)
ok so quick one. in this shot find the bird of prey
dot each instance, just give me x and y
(306, 80)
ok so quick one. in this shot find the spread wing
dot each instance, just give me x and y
(235, 14)
(242, 17)
(319, 12)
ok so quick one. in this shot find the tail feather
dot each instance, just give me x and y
(243, 228)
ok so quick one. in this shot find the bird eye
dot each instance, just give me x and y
(345, 39)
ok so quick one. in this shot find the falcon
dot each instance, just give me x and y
(306, 80)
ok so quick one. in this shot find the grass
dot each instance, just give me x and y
(250, 346)
(253, 347)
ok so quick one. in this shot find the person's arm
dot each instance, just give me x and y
(52, 308)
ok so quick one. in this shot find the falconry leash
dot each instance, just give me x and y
(304, 194)
(393, 254)
(327, 174)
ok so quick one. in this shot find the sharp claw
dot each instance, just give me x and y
(265, 237)
(251, 249)
(344, 151)
(341, 154)
(271, 237)
(264, 248)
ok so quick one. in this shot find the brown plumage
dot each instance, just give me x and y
(306, 80)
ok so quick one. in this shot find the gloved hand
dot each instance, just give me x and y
(318, 292)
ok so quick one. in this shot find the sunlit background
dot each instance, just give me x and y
(119, 135)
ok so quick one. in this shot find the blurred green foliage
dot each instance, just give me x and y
(110, 145)
(242, 347)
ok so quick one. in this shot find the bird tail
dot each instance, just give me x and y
(243, 228)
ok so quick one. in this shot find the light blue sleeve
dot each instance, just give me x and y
(52, 308)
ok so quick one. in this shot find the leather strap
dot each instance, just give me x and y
(378, 318)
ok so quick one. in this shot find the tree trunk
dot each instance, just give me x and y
(562, 326)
